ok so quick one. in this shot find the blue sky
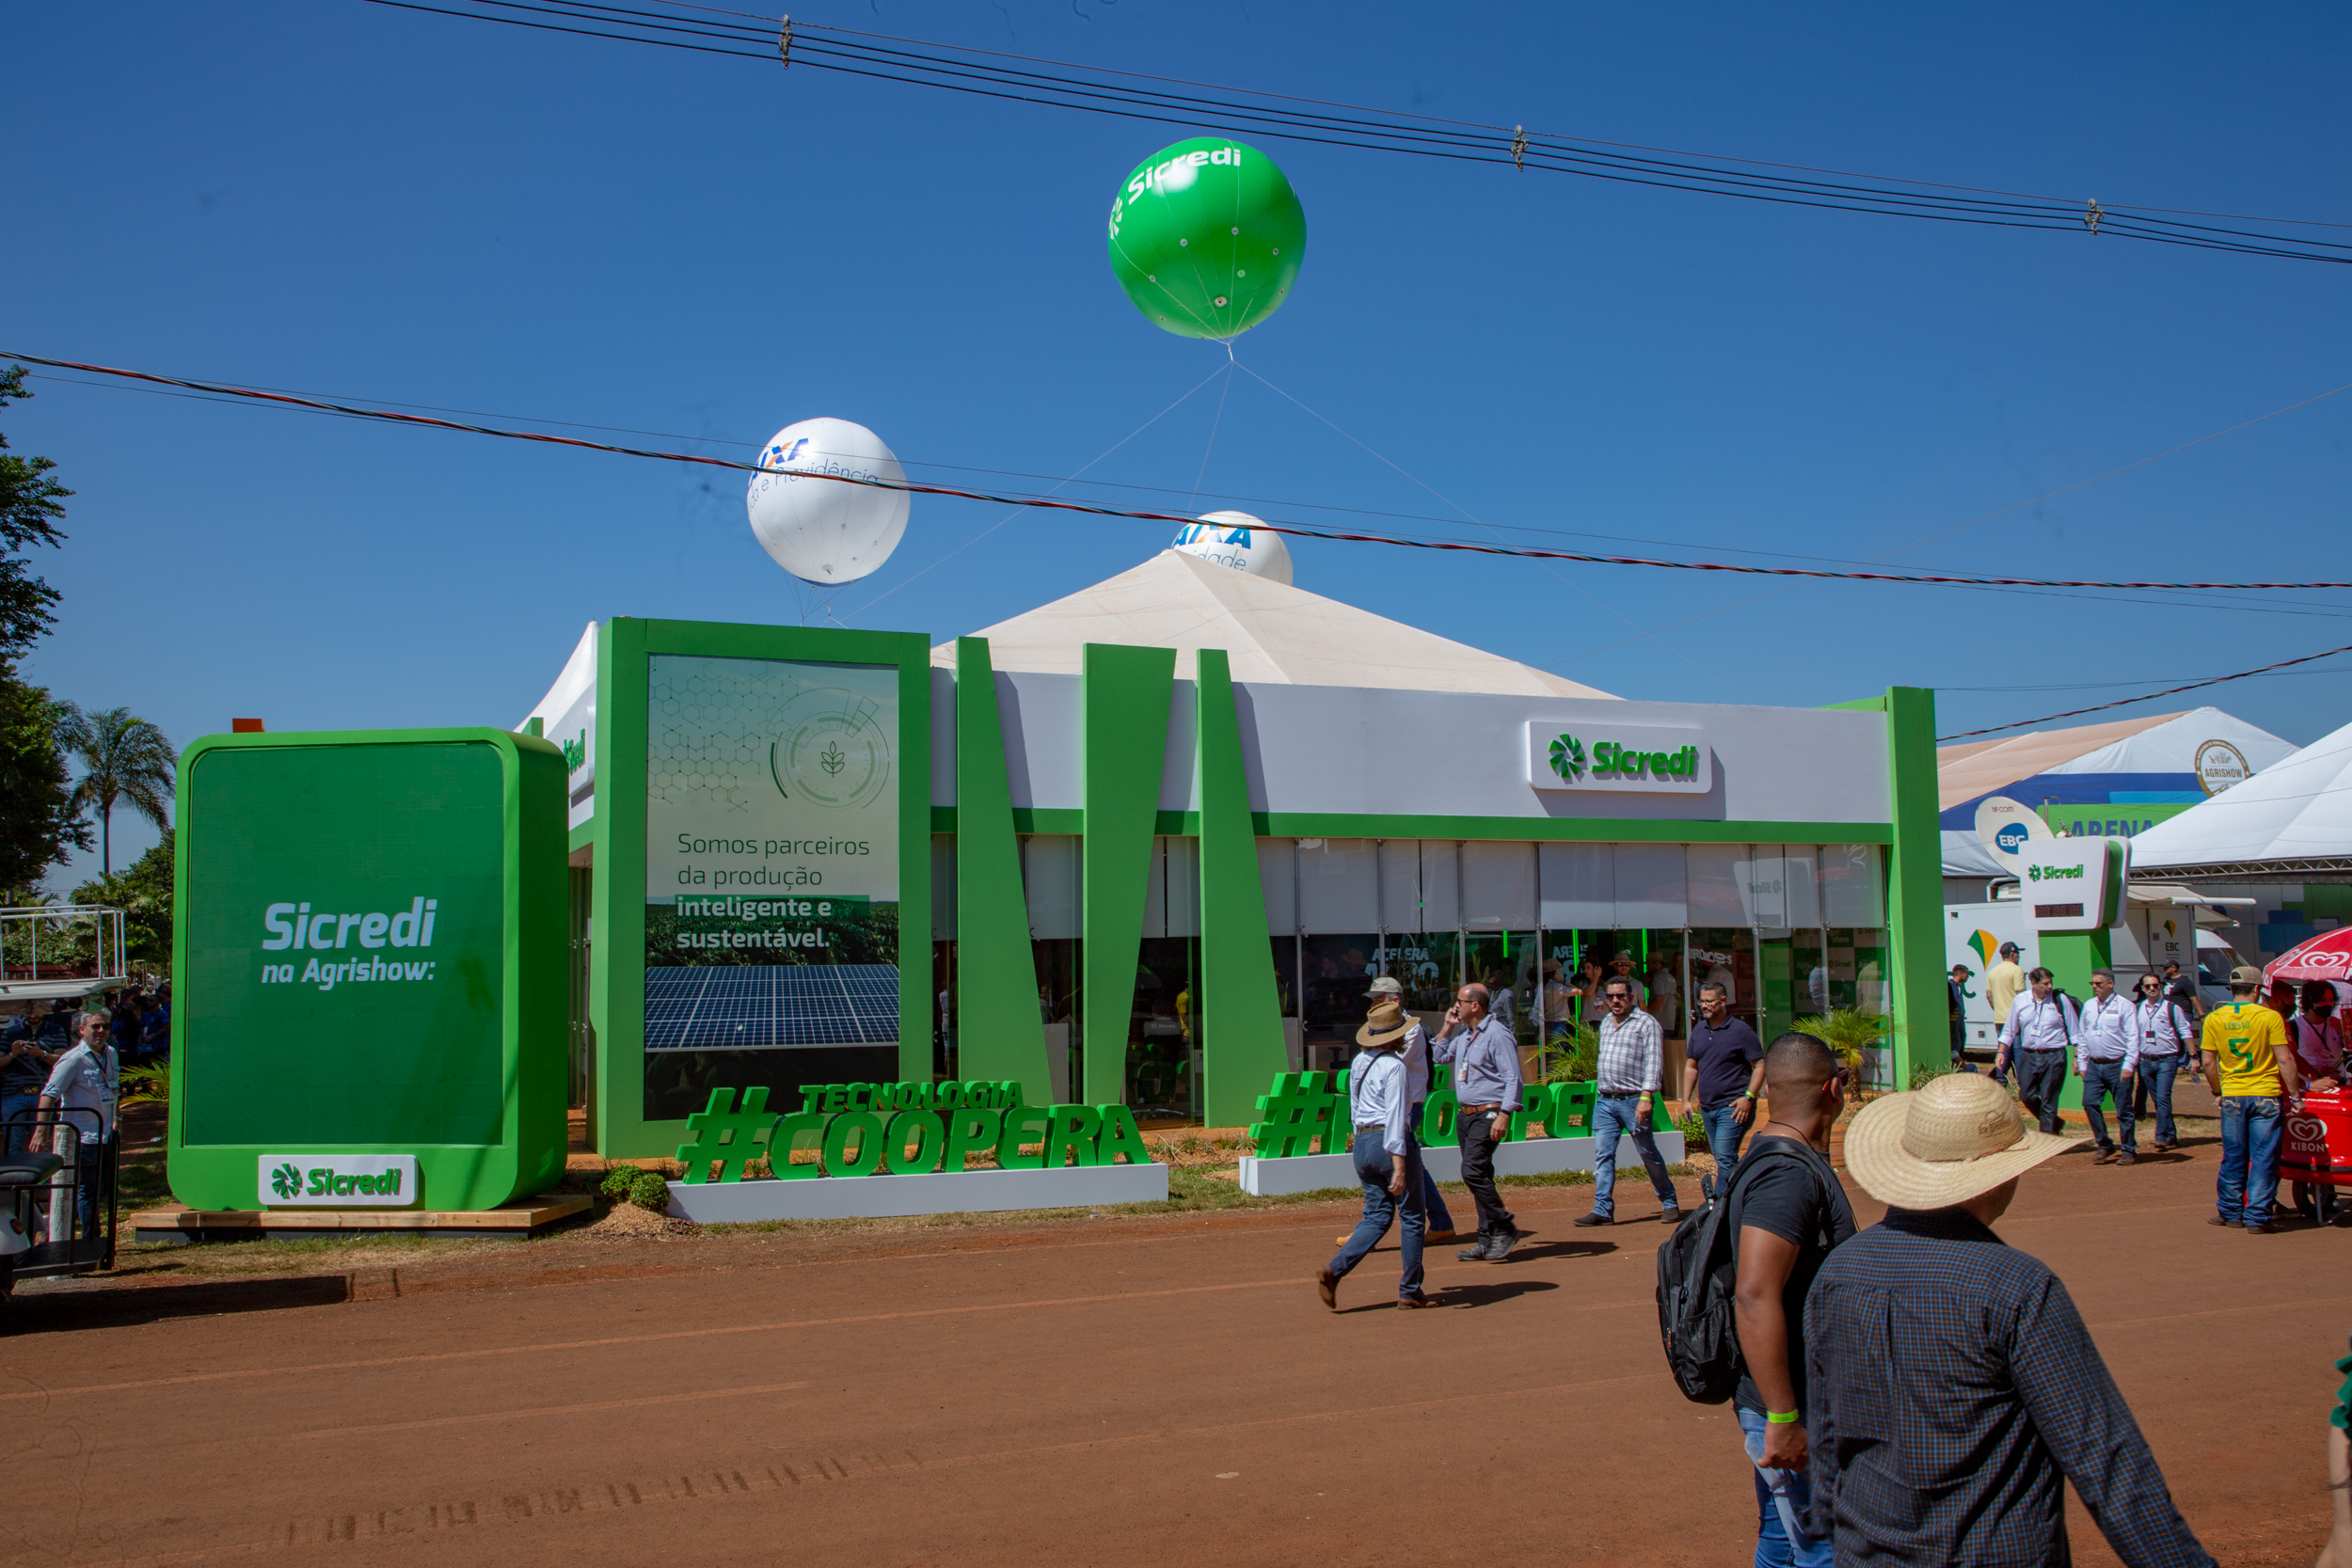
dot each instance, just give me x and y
(350, 199)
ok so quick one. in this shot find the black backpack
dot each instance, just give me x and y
(1695, 1286)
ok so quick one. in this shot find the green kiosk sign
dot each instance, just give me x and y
(369, 950)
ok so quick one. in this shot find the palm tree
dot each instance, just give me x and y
(124, 758)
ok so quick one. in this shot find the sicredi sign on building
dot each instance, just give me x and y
(370, 951)
(1621, 757)
(2073, 884)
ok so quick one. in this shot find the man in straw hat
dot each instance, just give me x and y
(1953, 1388)
(1388, 1158)
(1387, 988)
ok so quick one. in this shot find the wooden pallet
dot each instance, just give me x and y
(523, 1217)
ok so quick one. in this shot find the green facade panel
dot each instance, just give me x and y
(1124, 706)
(1241, 1025)
(1914, 890)
(999, 1032)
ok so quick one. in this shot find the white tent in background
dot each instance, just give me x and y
(2292, 822)
(1275, 634)
(2165, 760)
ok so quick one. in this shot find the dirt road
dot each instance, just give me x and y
(1079, 1392)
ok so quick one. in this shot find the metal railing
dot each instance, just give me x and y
(61, 949)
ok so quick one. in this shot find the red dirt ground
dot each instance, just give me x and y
(1073, 1392)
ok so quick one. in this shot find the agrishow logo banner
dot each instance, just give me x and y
(772, 854)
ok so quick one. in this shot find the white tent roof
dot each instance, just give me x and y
(580, 673)
(2290, 821)
(2148, 754)
(1275, 634)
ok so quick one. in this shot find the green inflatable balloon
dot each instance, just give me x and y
(1206, 237)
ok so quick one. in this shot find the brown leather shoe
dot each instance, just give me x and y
(1409, 1303)
(2216, 1219)
(2107, 1157)
(1439, 1238)
(1328, 1287)
(2263, 1228)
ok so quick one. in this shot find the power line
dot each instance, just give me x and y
(1099, 91)
(1089, 509)
(2146, 696)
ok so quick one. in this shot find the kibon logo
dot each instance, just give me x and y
(1567, 757)
(286, 1181)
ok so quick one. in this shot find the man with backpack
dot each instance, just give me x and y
(2166, 1034)
(2038, 1036)
(1785, 1210)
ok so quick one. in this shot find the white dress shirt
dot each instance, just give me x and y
(2033, 1025)
(1631, 1055)
(2165, 1028)
(1415, 1057)
(2109, 1032)
(1376, 1094)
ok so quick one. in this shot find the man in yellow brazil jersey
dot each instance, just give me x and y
(2251, 1072)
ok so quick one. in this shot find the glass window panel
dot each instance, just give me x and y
(1338, 885)
(1713, 878)
(1853, 890)
(1579, 882)
(1440, 884)
(1429, 965)
(1504, 963)
(1277, 874)
(1650, 888)
(1762, 887)
(1339, 967)
(1182, 858)
(1155, 891)
(1050, 876)
(1808, 967)
(1797, 883)
(1498, 886)
(1400, 884)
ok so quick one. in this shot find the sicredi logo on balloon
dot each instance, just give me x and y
(1177, 173)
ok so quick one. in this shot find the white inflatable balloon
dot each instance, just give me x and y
(1237, 539)
(819, 530)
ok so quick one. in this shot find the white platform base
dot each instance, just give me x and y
(1307, 1173)
(971, 1192)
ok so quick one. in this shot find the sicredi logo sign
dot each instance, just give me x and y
(1620, 757)
(2073, 884)
(337, 1180)
(293, 926)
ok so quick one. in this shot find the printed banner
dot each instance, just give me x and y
(772, 854)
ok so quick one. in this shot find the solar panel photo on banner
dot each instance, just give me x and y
(770, 1007)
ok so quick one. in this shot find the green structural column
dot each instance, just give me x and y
(1915, 886)
(1241, 1021)
(1122, 748)
(999, 1029)
(2070, 957)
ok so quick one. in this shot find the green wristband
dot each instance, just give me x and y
(1781, 1417)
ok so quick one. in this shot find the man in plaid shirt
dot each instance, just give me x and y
(1632, 1058)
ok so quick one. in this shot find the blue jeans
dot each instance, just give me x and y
(13, 1107)
(2155, 1086)
(2102, 1080)
(1439, 1216)
(1613, 1114)
(2252, 1128)
(1724, 1133)
(1373, 1167)
(1781, 1500)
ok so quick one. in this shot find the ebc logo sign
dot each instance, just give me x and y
(1618, 757)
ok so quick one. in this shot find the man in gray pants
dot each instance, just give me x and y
(2038, 1036)
(1485, 1061)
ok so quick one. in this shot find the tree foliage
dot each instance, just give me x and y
(143, 893)
(30, 514)
(40, 824)
(125, 759)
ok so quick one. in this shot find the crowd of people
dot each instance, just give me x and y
(1912, 1392)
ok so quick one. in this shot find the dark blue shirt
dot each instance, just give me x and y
(1953, 1392)
(1724, 1058)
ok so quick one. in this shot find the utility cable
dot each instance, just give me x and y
(2145, 696)
(1089, 509)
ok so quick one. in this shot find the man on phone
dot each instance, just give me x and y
(1485, 1060)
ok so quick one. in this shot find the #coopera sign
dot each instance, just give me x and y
(1637, 759)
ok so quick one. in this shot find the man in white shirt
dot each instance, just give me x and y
(2106, 1054)
(1416, 1053)
(88, 1079)
(2168, 1036)
(1387, 1155)
(2038, 1035)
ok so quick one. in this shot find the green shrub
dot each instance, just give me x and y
(647, 1189)
(1922, 1071)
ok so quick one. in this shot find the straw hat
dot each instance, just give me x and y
(1944, 1144)
(1386, 1025)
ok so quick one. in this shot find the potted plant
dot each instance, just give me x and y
(1859, 1038)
